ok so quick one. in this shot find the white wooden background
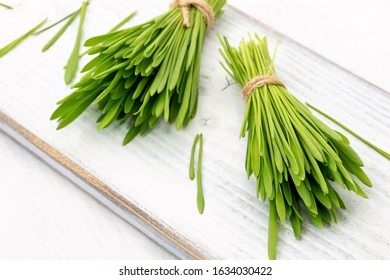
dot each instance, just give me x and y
(88, 230)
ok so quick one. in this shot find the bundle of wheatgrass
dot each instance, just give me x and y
(146, 72)
(293, 155)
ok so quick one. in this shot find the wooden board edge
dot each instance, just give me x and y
(155, 229)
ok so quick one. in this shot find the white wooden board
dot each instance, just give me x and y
(146, 182)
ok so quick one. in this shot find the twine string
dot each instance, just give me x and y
(258, 82)
(201, 5)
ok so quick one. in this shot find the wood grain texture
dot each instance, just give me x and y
(151, 172)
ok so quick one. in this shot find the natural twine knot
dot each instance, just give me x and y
(201, 5)
(258, 82)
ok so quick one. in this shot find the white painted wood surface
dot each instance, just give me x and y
(350, 33)
(234, 224)
(47, 217)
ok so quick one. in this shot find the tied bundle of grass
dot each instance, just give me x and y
(146, 72)
(294, 156)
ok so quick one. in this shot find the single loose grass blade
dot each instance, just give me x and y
(16, 42)
(58, 22)
(374, 147)
(54, 39)
(292, 154)
(122, 22)
(192, 159)
(6, 6)
(73, 62)
(199, 179)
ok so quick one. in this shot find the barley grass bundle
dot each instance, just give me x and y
(293, 155)
(145, 73)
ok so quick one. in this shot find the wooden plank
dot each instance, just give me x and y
(146, 181)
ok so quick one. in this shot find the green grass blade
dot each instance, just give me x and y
(296, 225)
(131, 134)
(192, 160)
(73, 62)
(116, 27)
(54, 39)
(58, 22)
(122, 22)
(13, 44)
(280, 206)
(6, 6)
(272, 230)
(200, 197)
(380, 151)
